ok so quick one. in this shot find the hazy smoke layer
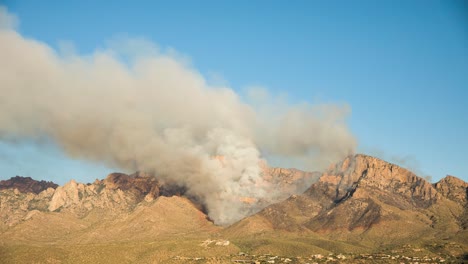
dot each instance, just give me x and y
(140, 109)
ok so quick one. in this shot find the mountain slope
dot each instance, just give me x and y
(360, 205)
(368, 201)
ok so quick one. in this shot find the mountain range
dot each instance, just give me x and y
(361, 207)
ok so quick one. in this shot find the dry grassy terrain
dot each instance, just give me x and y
(191, 250)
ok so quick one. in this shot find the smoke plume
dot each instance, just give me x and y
(138, 108)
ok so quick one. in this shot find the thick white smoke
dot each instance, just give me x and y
(154, 112)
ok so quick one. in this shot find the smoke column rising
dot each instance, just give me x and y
(155, 112)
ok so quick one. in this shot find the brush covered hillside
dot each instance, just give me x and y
(360, 209)
(121, 216)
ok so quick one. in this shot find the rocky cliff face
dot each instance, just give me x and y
(388, 180)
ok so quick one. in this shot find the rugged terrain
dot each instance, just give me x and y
(360, 209)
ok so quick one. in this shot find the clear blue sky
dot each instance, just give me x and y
(402, 66)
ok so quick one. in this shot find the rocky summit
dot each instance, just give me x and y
(26, 185)
(360, 209)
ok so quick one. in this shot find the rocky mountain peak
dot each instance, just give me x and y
(453, 188)
(453, 181)
(26, 184)
(362, 193)
(362, 171)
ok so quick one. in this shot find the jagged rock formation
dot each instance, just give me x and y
(16, 206)
(115, 195)
(117, 192)
(26, 185)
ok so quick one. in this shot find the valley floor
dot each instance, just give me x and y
(237, 251)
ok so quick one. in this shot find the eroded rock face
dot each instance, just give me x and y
(66, 195)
